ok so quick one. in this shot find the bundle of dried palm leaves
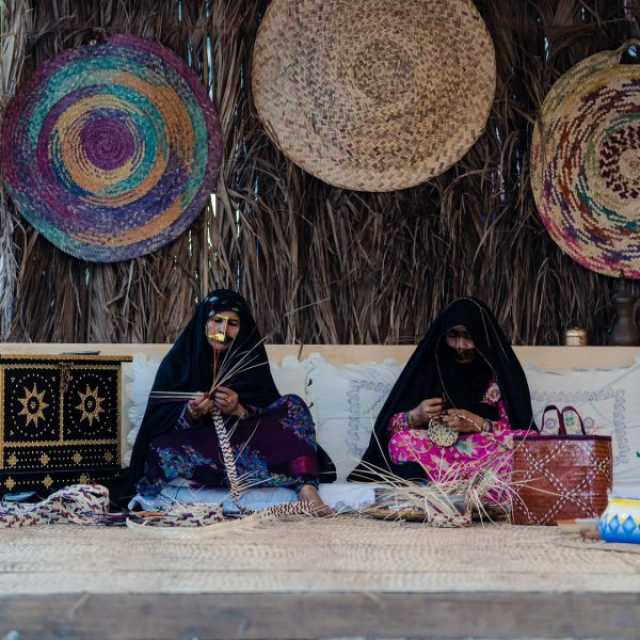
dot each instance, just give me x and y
(452, 498)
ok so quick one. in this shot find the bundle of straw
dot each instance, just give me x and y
(450, 499)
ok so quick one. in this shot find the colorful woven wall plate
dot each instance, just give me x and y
(373, 95)
(585, 164)
(111, 150)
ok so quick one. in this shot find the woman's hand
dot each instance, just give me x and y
(463, 421)
(227, 401)
(427, 409)
(200, 406)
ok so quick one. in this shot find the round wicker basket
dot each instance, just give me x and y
(373, 95)
(585, 164)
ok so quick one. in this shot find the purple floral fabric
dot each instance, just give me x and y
(273, 447)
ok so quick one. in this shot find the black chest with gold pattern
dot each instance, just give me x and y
(60, 418)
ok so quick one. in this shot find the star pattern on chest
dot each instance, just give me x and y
(33, 405)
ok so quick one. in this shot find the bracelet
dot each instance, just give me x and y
(409, 419)
(486, 425)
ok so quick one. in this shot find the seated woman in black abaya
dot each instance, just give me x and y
(456, 404)
(272, 436)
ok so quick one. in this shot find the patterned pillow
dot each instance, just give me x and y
(345, 401)
(140, 375)
(608, 401)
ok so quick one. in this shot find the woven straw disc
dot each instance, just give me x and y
(585, 164)
(111, 150)
(410, 515)
(373, 95)
(441, 433)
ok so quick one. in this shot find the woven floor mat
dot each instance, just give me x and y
(341, 554)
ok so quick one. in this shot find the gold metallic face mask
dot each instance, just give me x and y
(218, 336)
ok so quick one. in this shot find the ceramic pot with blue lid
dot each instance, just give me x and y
(620, 521)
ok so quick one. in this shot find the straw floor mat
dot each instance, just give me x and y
(342, 554)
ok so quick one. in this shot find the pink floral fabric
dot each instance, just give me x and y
(470, 454)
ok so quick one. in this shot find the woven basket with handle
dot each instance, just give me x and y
(558, 477)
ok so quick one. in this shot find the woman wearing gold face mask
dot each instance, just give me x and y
(222, 329)
(220, 359)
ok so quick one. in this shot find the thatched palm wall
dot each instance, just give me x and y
(322, 264)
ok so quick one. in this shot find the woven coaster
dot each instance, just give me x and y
(373, 95)
(111, 150)
(585, 164)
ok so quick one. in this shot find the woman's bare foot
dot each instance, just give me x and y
(310, 495)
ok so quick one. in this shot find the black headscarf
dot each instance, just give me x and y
(189, 367)
(432, 371)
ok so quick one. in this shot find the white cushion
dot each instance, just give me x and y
(341, 497)
(345, 401)
(290, 376)
(140, 376)
(608, 401)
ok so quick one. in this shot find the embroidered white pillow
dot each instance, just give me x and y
(290, 376)
(140, 376)
(608, 401)
(345, 401)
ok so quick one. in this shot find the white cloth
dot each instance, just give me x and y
(340, 496)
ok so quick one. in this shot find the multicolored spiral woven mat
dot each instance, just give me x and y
(111, 150)
(585, 164)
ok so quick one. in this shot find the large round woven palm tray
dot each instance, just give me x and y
(373, 95)
(111, 150)
(585, 164)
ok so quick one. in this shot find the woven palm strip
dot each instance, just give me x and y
(171, 526)
(227, 455)
(301, 508)
(82, 504)
(585, 164)
(373, 95)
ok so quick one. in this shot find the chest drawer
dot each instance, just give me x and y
(60, 420)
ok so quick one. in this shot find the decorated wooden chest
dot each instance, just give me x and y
(60, 420)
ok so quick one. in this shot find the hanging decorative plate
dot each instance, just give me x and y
(373, 95)
(111, 150)
(585, 164)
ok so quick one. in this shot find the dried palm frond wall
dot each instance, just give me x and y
(320, 264)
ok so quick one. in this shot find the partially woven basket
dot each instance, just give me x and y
(585, 164)
(416, 515)
(373, 95)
